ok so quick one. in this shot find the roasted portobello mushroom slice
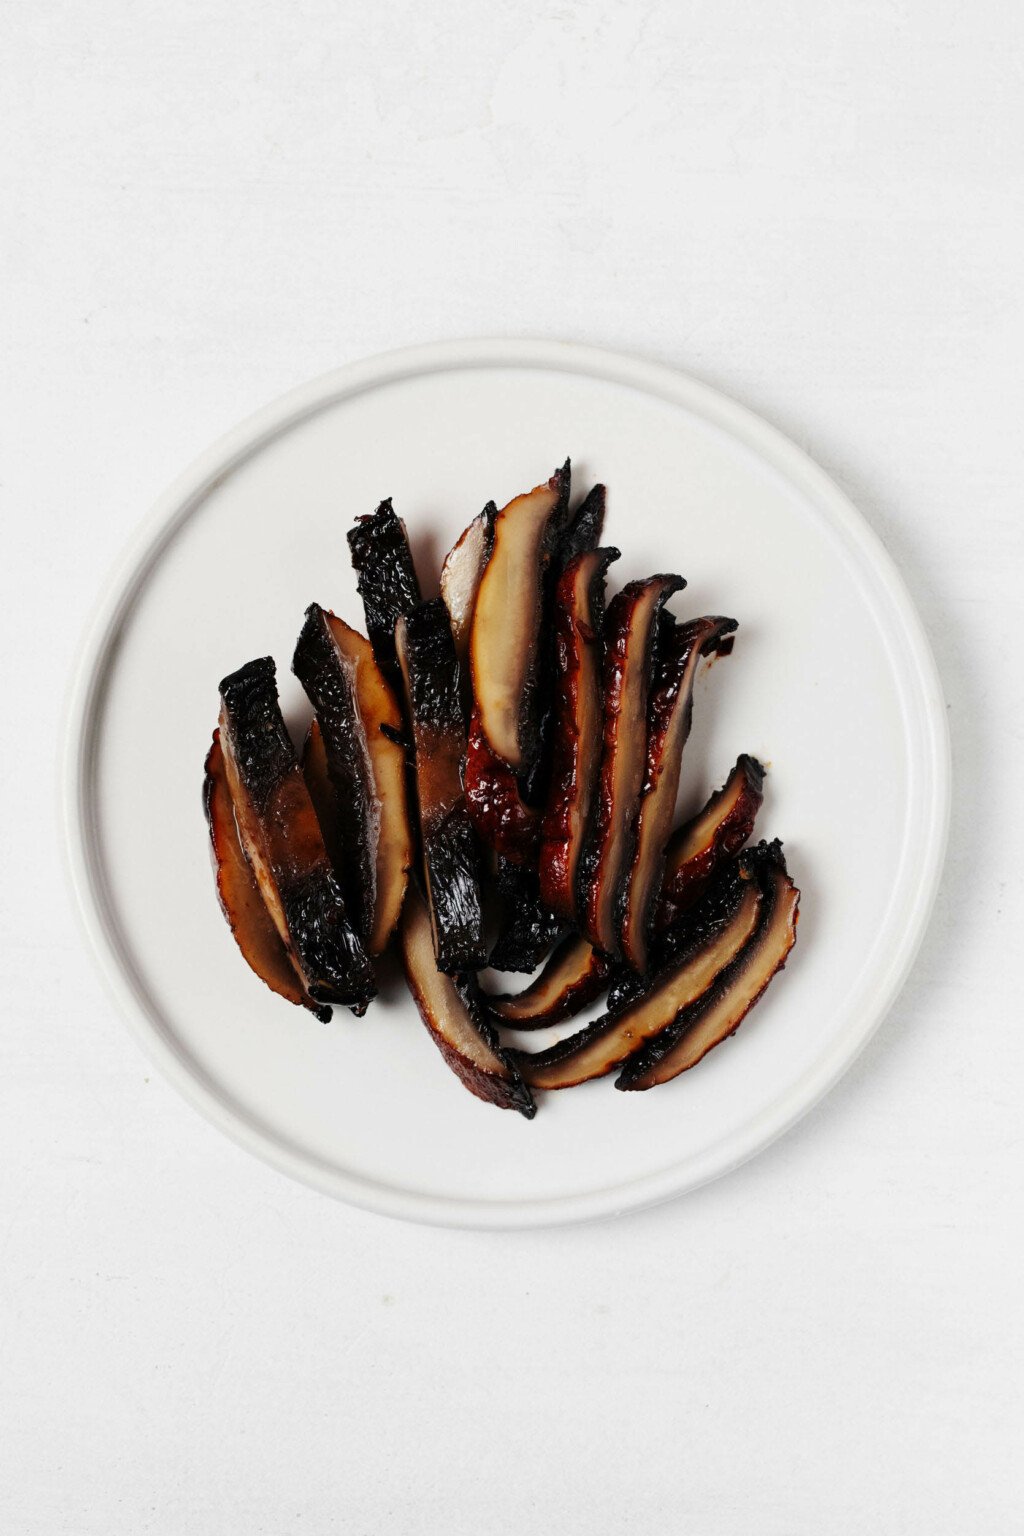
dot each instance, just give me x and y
(630, 626)
(279, 831)
(450, 1008)
(680, 648)
(451, 855)
(577, 724)
(573, 978)
(716, 933)
(506, 640)
(388, 584)
(497, 809)
(366, 823)
(718, 831)
(528, 928)
(707, 1021)
(240, 898)
(584, 531)
(460, 581)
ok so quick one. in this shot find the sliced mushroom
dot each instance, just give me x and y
(604, 1045)
(577, 724)
(584, 532)
(528, 928)
(279, 831)
(630, 626)
(505, 644)
(460, 582)
(451, 856)
(680, 648)
(451, 1010)
(715, 834)
(388, 584)
(501, 817)
(573, 978)
(367, 827)
(240, 899)
(720, 1011)
(330, 686)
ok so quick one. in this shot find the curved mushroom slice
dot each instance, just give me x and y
(630, 626)
(584, 532)
(451, 857)
(529, 928)
(240, 899)
(505, 642)
(450, 1009)
(573, 978)
(366, 817)
(460, 581)
(577, 725)
(283, 843)
(611, 1040)
(706, 1022)
(715, 834)
(330, 686)
(501, 817)
(388, 584)
(669, 716)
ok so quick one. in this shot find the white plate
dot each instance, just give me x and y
(831, 683)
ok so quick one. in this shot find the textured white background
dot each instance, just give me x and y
(818, 209)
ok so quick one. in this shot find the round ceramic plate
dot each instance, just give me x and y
(831, 684)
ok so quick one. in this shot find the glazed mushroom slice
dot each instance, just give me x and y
(460, 581)
(630, 626)
(715, 834)
(708, 1020)
(584, 532)
(279, 831)
(529, 928)
(497, 809)
(577, 724)
(388, 584)
(240, 899)
(451, 856)
(573, 978)
(680, 648)
(450, 1008)
(329, 685)
(714, 940)
(506, 639)
(365, 816)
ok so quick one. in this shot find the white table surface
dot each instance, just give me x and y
(817, 209)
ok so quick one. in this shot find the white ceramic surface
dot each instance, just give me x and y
(831, 683)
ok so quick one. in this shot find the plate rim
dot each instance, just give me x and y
(175, 506)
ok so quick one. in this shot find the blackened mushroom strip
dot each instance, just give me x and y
(497, 809)
(279, 831)
(584, 532)
(366, 818)
(450, 1009)
(388, 584)
(460, 582)
(451, 856)
(528, 927)
(680, 648)
(329, 687)
(630, 626)
(715, 834)
(241, 902)
(577, 724)
(710, 1019)
(573, 978)
(506, 640)
(716, 936)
